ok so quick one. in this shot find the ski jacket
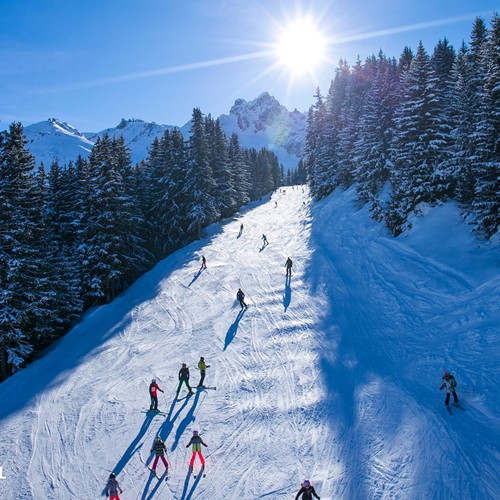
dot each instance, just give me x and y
(153, 388)
(196, 441)
(307, 493)
(113, 488)
(184, 373)
(288, 264)
(159, 448)
(449, 383)
(202, 365)
(240, 295)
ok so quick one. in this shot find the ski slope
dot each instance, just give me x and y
(332, 376)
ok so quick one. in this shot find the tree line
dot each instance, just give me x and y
(421, 130)
(76, 236)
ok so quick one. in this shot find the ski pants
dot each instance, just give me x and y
(114, 497)
(186, 381)
(242, 303)
(455, 398)
(154, 403)
(155, 463)
(202, 460)
(202, 378)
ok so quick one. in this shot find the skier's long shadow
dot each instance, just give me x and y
(151, 495)
(231, 333)
(168, 424)
(186, 420)
(287, 297)
(185, 494)
(196, 276)
(134, 446)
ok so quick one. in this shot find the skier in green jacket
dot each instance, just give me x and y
(202, 366)
(196, 441)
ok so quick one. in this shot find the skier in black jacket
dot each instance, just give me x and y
(184, 378)
(307, 491)
(241, 298)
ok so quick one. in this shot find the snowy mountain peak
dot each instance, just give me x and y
(54, 139)
(64, 127)
(266, 120)
(260, 123)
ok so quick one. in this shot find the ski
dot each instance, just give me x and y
(459, 406)
(186, 396)
(213, 388)
(154, 412)
(157, 476)
(448, 409)
(201, 471)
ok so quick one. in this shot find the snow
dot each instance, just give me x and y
(333, 376)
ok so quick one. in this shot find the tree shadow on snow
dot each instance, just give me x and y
(231, 333)
(185, 494)
(287, 297)
(134, 446)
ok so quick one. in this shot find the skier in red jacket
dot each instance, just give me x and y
(153, 387)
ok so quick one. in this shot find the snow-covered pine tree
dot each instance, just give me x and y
(226, 198)
(19, 259)
(486, 204)
(372, 149)
(200, 186)
(240, 168)
(419, 136)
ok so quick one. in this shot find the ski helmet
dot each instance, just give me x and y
(112, 475)
(446, 373)
(158, 438)
(195, 433)
(202, 358)
(183, 365)
(306, 483)
(153, 381)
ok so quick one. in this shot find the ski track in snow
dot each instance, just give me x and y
(330, 375)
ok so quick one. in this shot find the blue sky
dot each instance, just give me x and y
(92, 63)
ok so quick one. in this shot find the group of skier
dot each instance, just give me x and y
(183, 377)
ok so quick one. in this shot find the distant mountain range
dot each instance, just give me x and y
(263, 122)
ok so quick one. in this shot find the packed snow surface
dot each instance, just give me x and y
(332, 375)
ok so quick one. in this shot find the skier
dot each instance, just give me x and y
(288, 265)
(112, 488)
(449, 383)
(196, 441)
(203, 368)
(241, 298)
(160, 449)
(203, 262)
(184, 377)
(307, 491)
(153, 387)
(264, 241)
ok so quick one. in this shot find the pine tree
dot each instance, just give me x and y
(486, 204)
(420, 144)
(18, 250)
(200, 186)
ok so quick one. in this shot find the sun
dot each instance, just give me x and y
(300, 47)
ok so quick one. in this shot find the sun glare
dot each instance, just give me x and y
(300, 47)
